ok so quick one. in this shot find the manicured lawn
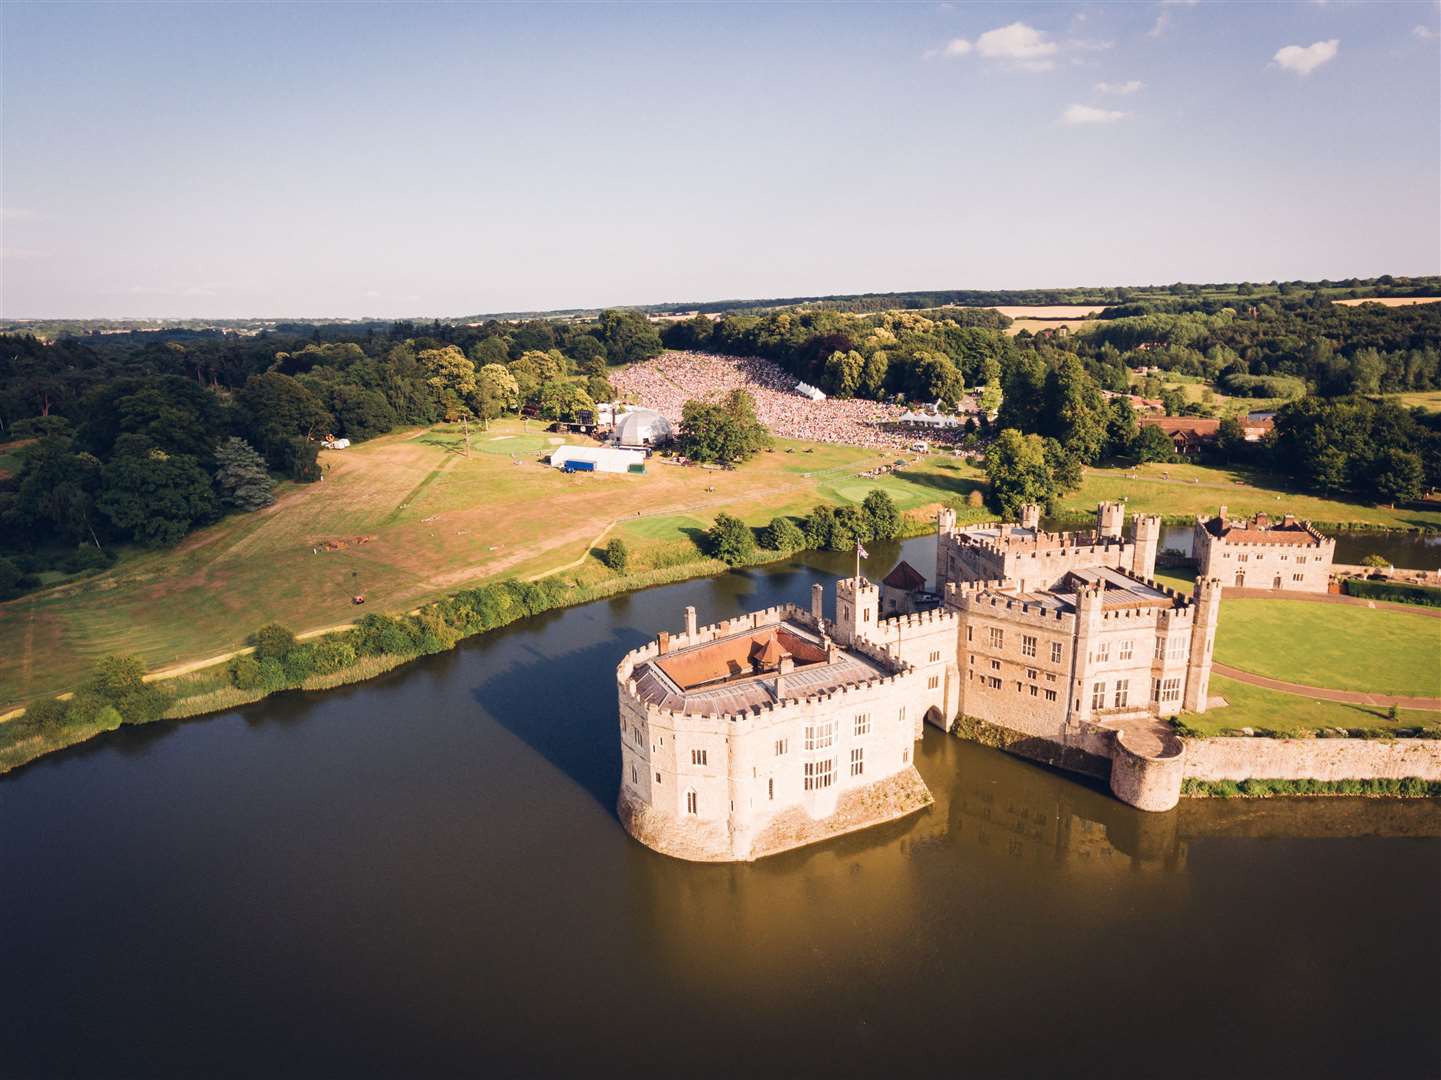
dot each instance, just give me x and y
(1342, 646)
(1270, 710)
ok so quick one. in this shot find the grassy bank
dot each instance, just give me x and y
(1409, 788)
(1273, 713)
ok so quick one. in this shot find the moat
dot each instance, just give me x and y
(424, 874)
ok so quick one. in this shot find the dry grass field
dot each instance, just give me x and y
(1050, 311)
(1390, 301)
(408, 517)
(1037, 325)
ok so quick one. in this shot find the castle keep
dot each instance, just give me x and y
(783, 727)
(1260, 553)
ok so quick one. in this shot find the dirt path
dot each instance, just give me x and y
(1323, 693)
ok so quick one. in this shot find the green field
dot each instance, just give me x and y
(1340, 646)
(408, 518)
(1286, 714)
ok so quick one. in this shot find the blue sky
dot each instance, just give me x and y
(245, 159)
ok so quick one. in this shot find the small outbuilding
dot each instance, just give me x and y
(597, 459)
(642, 427)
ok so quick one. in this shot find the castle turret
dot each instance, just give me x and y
(1030, 516)
(1111, 520)
(857, 605)
(818, 604)
(1203, 639)
(1090, 611)
(1146, 539)
(945, 526)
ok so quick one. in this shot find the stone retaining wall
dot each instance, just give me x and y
(1312, 759)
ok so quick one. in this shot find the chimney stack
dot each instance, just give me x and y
(787, 664)
(818, 600)
(690, 621)
(663, 641)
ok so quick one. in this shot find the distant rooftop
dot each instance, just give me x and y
(1119, 590)
(736, 673)
(1263, 530)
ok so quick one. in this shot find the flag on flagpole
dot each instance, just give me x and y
(861, 551)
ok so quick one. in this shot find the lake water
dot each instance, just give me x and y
(424, 875)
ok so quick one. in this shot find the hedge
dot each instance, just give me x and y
(1395, 591)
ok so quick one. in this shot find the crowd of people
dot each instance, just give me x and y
(666, 383)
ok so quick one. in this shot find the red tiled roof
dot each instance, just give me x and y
(905, 577)
(1186, 425)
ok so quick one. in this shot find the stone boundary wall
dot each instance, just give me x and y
(1312, 759)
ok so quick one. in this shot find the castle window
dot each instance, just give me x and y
(994, 683)
(1035, 690)
(657, 778)
(858, 761)
(1166, 689)
(634, 776)
(1300, 559)
(1028, 645)
(1050, 695)
(1050, 676)
(1160, 648)
(906, 756)
(1103, 652)
(1031, 673)
(782, 745)
(1055, 652)
(902, 717)
(934, 681)
(863, 723)
(1243, 558)
(1125, 650)
(820, 736)
(998, 637)
(691, 803)
(1298, 577)
(866, 615)
(1123, 693)
(1176, 648)
(935, 657)
(968, 632)
(771, 788)
(995, 665)
(1098, 696)
(820, 774)
(697, 757)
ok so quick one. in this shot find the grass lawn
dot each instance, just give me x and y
(1341, 646)
(1186, 490)
(1430, 400)
(1261, 709)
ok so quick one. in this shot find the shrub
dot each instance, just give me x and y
(46, 714)
(379, 635)
(119, 681)
(272, 675)
(299, 662)
(616, 555)
(782, 535)
(272, 642)
(731, 540)
(331, 655)
(245, 673)
(975, 500)
(1396, 591)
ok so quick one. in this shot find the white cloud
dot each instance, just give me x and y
(1163, 20)
(957, 47)
(1017, 42)
(1119, 88)
(1305, 59)
(1076, 115)
(1425, 33)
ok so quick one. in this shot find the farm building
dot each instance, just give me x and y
(642, 427)
(597, 459)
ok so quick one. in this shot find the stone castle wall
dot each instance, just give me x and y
(1239, 758)
(1296, 567)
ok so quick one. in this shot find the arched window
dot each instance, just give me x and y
(690, 802)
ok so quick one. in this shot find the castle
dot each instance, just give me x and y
(783, 727)
(1263, 554)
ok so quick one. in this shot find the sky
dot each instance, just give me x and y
(231, 160)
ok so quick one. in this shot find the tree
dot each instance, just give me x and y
(1397, 476)
(844, 373)
(451, 374)
(616, 555)
(820, 528)
(564, 401)
(12, 579)
(1074, 413)
(496, 391)
(628, 336)
(599, 388)
(155, 498)
(1121, 427)
(882, 517)
(278, 408)
(588, 354)
(724, 432)
(119, 683)
(359, 412)
(1152, 444)
(782, 535)
(241, 476)
(272, 642)
(1230, 439)
(57, 488)
(730, 540)
(1018, 473)
(1380, 562)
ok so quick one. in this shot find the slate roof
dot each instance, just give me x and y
(905, 577)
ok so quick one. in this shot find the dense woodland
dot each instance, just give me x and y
(139, 437)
